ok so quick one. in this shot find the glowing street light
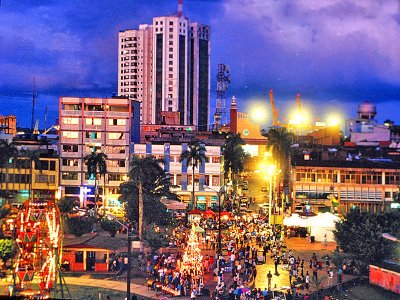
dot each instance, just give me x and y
(333, 120)
(390, 237)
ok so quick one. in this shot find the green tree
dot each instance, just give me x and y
(194, 156)
(110, 226)
(96, 163)
(7, 250)
(234, 157)
(360, 236)
(80, 226)
(142, 192)
(155, 239)
(66, 205)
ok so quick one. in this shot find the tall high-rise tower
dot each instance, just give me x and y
(167, 68)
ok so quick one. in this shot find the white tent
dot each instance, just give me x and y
(295, 220)
(321, 224)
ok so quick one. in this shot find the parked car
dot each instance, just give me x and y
(263, 189)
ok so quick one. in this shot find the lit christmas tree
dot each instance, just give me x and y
(192, 258)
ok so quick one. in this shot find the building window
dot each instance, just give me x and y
(70, 148)
(69, 162)
(116, 135)
(119, 122)
(79, 256)
(70, 134)
(93, 121)
(69, 176)
(171, 23)
(72, 121)
(215, 180)
(41, 178)
(93, 135)
(216, 159)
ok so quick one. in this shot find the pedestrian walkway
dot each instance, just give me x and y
(140, 290)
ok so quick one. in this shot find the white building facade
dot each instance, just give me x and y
(166, 66)
(207, 177)
(94, 125)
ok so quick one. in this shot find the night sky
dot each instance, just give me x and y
(335, 53)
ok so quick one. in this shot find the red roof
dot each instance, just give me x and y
(384, 143)
(195, 212)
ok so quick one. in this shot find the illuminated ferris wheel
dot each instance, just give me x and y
(38, 240)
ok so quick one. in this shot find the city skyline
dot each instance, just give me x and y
(338, 53)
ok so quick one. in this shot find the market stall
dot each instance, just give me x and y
(321, 225)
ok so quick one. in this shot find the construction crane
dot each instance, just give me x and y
(298, 102)
(275, 111)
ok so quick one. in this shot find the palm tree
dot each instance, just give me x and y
(7, 151)
(147, 175)
(279, 143)
(234, 157)
(193, 156)
(96, 163)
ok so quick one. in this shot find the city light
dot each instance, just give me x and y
(333, 120)
(258, 113)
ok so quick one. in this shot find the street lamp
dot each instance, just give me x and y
(128, 271)
(390, 237)
(219, 253)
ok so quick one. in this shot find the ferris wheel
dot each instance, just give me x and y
(39, 243)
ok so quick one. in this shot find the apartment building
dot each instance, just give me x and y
(207, 177)
(166, 66)
(369, 185)
(87, 125)
(22, 175)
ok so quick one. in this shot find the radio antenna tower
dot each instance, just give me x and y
(223, 80)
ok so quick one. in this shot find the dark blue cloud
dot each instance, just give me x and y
(332, 52)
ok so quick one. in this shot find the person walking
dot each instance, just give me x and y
(269, 277)
(330, 277)
(276, 262)
(307, 280)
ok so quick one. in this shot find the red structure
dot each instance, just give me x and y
(389, 280)
(85, 257)
(38, 239)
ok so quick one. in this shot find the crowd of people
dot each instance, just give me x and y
(245, 242)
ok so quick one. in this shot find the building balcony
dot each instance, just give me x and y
(93, 127)
(71, 113)
(118, 128)
(72, 168)
(73, 141)
(98, 114)
(92, 141)
(117, 155)
(76, 182)
(72, 127)
(118, 114)
(120, 170)
(121, 142)
(65, 154)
